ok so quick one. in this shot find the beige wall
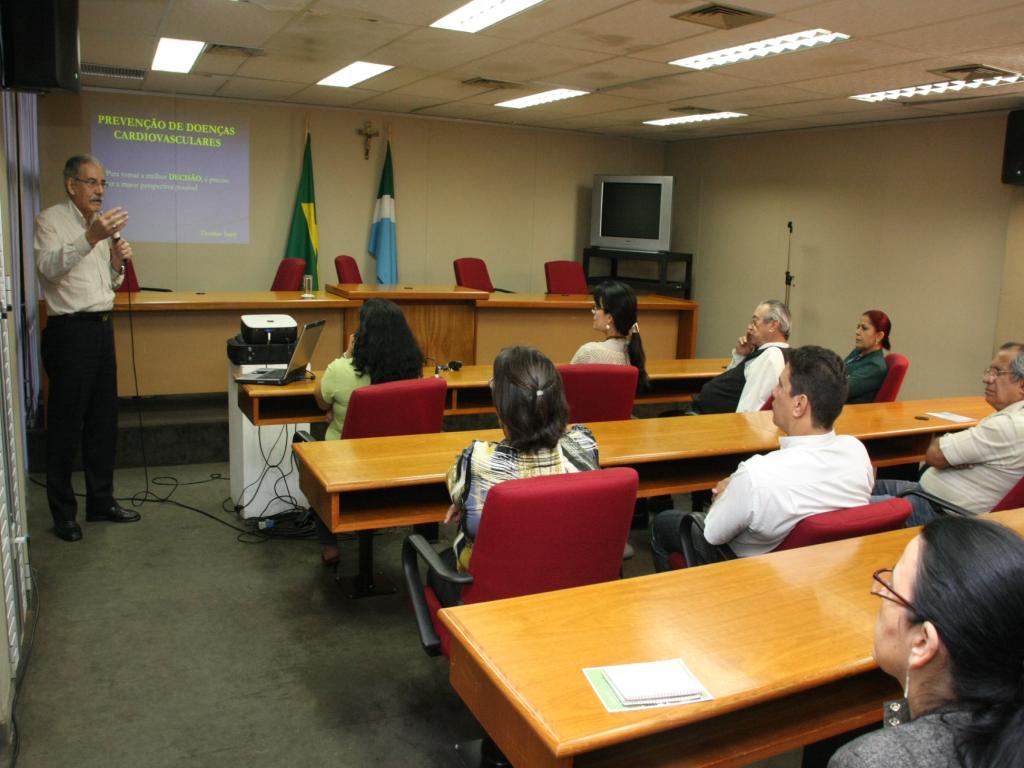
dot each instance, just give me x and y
(907, 217)
(516, 197)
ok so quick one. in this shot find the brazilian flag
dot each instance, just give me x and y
(302, 239)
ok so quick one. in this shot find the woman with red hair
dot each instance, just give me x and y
(865, 365)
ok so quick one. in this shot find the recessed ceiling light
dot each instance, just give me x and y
(354, 73)
(545, 97)
(694, 118)
(773, 46)
(948, 86)
(480, 14)
(176, 55)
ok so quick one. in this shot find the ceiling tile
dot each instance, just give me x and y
(398, 102)
(267, 90)
(973, 32)
(174, 83)
(442, 87)
(528, 62)
(331, 97)
(244, 24)
(140, 17)
(132, 50)
(438, 49)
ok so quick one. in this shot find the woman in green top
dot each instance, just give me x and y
(865, 365)
(382, 349)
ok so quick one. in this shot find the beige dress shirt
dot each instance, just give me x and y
(75, 276)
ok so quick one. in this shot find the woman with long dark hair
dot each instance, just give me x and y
(532, 411)
(615, 317)
(865, 365)
(382, 349)
(950, 629)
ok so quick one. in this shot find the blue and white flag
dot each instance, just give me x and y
(383, 246)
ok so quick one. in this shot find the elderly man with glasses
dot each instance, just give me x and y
(81, 258)
(976, 468)
(757, 362)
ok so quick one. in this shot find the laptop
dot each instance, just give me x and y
(301, 355)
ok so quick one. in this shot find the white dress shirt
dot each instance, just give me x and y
(769, 494)
(75, 276)
(761, 375)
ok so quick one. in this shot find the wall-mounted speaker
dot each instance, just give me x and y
(39, 40)
(1013, 151)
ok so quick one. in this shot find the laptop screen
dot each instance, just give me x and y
(304, 347)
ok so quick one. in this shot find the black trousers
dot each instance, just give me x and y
(79, 357)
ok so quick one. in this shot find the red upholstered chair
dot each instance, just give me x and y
(1013, 500)
(289, 275)
(565, 277)
(599, 392)
(535, 535)
(130, 284)
(472, 273)
(347, 269)
(881, 516)
(410, 407)
(897, 365)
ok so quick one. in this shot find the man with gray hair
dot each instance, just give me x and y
(976, 468)
(757, 362)
(81, 259)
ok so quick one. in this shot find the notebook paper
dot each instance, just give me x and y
(650, 684)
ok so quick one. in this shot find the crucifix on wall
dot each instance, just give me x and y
(368, 134)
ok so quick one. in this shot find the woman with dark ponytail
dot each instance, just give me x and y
(615, 316)
(951, 629)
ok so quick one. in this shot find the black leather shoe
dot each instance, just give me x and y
(115, 514)
(67, 530)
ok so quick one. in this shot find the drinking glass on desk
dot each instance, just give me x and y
(307, 286)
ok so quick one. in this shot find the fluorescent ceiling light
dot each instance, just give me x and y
(695, 118)
(810, 38)
(354, 73)
(949, 86)
(545, 97)
(480, 14)
(176, 55)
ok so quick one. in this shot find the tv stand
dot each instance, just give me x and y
(681, 288)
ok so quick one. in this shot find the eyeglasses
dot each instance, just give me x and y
(93, 183)
(996, 372)
(880, 587)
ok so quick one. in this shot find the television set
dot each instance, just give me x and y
(631, 213)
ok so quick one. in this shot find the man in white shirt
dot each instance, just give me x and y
(813, 471)
(80, 259)
(974, 469)
(757, 361)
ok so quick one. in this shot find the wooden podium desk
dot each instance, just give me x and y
(387, 481)
(672, 381)
(180, 338)
(782, 641)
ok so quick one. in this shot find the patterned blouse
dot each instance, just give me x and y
(485, 464)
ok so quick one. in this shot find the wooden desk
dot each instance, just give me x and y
(783, 642)
(672, 381)
(179, 339)
(380, 482)
(559, 324)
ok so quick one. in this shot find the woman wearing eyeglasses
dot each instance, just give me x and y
(865, 365)
(615, 317)
(950, 629)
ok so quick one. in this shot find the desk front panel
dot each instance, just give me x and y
(179, 339)
(558, 333)
(788, 627)
(179, 352)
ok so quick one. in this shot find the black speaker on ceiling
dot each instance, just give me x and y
(1013, 151)
(39, 40)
